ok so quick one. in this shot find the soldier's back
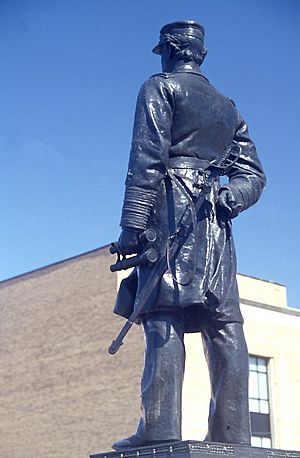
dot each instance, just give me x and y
(204, 120)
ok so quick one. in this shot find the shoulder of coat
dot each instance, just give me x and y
(232, 101)
(163, 75)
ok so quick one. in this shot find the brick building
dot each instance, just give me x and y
(62, 394)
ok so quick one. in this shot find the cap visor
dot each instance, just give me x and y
(156, 49)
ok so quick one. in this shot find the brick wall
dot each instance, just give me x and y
(61, 393)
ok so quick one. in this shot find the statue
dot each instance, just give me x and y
(186, 134)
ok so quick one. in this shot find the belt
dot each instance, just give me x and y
(188, 162)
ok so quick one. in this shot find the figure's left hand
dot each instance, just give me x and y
(129, 241)
(227, 204)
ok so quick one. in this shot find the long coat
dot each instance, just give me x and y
(183, 124)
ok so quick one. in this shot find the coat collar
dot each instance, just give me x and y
(186, 70)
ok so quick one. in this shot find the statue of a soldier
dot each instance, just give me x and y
(185, 129)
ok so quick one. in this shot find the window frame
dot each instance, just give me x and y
(260, 417)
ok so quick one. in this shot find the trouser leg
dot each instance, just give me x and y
(161, 386)
(227, 358)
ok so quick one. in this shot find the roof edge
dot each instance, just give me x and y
(261, 279)
(56, 264)
(273, 308)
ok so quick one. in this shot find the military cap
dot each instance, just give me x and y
(188, 29)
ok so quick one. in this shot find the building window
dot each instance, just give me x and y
(259, 402)
(257, 441)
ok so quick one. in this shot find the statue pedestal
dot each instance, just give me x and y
(196, 449)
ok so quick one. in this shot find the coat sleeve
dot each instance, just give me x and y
(149, 153)
(246, 178)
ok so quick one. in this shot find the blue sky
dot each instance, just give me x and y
(70, 73)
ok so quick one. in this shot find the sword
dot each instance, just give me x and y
(175, 242)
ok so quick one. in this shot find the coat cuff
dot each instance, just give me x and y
(137, 207)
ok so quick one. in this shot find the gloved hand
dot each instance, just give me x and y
(227, 204)
(129, 241)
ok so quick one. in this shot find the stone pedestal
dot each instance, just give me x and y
(196, 449)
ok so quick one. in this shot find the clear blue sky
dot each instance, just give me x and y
(70, 73)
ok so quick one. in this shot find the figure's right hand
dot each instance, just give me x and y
(129, 241)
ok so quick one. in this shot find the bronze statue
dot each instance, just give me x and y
(186, 134)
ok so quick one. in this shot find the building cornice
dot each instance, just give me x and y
(273, 308)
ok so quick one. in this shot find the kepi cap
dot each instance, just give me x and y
(187, 29)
